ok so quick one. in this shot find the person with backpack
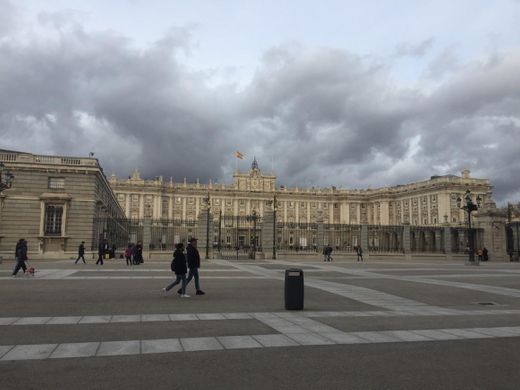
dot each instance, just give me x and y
(180, 268)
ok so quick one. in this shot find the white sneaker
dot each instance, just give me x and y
(185, 296)
(164, 291)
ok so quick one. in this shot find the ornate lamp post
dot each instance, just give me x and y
(207, 202)
(468, 206)
(6, 178)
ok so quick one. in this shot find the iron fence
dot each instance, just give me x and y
(118, 232)
(296, 237)
(165, 233)
(385, 239)
(238, 237)
(426, 239)
(513, 247)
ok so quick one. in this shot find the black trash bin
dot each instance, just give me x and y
(294, 289)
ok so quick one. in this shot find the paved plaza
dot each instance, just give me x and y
(372, 325)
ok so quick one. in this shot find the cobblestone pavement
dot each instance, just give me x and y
(365, 325)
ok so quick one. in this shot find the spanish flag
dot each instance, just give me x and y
(239, 155)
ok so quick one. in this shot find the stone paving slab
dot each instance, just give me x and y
(406, 335)
(75, 350)
(95, 319)
(63, 320)
(126, 318)
(161, 346)
(32, 321)
(309, 339)
(8, 320)
(275, 340)
(155, 317)
(27, 352)
(4, 349)
(113, 348)
(238, 342)
(201, 344)
(183, 317)
(467, 333)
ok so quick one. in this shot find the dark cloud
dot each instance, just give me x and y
(319, 116)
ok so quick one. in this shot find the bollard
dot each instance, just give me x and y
(294, 289)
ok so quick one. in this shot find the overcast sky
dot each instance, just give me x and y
(325, 93)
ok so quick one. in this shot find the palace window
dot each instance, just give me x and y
(56, 183)
(53, 219)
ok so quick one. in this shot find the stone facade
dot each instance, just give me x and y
(56, 202)
(426, 203)
(53, 203)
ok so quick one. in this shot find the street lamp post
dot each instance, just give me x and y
(275, 208)
(468, 206)
(219, 230)
(253, 254)
(207, 201)
(6, 178)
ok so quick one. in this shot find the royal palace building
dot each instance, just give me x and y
(56, 202)
(429, 202)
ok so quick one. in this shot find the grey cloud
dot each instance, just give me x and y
(406, 49)
(8, 17)
(444, 62)
(319, 116)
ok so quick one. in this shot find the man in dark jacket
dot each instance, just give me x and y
(81, 253)
(20, 256)
(103, 247)
(193, 265)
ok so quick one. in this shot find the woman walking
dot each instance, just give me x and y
(179, 267)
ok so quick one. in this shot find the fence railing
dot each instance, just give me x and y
(241, 236)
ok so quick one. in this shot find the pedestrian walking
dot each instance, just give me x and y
(81, 253)
(359, 253)
(128, 254)
(479, 255)
(20, 256)
(178, 266)
(103, 246)
(138, 253)
(485, 254)
(329, 254)
(193, 265)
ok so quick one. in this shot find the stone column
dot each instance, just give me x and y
(493, 222)
(267, 233)
(406, 241)
(147, 237)
(515, 226)
(320, 234)
(364, 241)
(205, 221)
(438, 238)
(447, 242)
